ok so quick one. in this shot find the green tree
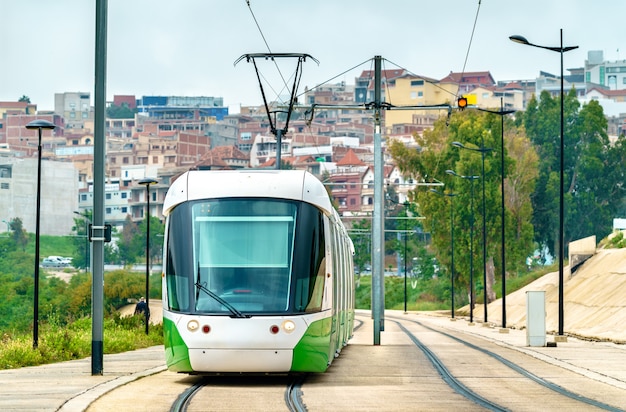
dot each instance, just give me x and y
(18, 233)
(157, 228)
(360, 234)
(24, 98)
(120, 112)
(131, 245)
(128, 249)
(593, 203)
(474, 129)
(82, 247)
(593, 177)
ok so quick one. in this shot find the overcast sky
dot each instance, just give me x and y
(188, 47)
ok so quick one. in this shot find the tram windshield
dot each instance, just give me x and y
(242, 256)
(243, 252)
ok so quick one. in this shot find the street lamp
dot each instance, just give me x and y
(560, 50)
(87, 222)
(502, 112)
(147, 182)
(450, 195)
(406, 215)
(38, 124)
(471, 178)
(482, 150)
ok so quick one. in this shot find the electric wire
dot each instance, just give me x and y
(285, 86)
(333, 78)
(469, 46)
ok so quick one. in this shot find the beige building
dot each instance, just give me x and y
(489, 98)
(411, 90)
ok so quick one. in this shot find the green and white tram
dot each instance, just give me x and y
(257, 275)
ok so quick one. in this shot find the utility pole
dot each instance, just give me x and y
(97, 301)
(378, 241)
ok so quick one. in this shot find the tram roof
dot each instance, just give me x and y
(282, 184)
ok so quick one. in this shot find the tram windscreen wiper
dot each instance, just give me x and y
(233, 310)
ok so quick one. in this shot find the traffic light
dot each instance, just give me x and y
(462, 102)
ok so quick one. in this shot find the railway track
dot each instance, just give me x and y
(242, 389)
(556, 393)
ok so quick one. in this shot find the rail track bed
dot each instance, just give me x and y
(418, 366)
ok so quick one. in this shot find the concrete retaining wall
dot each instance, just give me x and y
(581, 250)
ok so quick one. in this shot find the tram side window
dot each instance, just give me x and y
(177, 283)
(177, 295)
(310, 263)
(177, 268)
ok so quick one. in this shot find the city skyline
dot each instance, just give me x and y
(188, 48)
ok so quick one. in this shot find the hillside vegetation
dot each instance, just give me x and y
(64, 307)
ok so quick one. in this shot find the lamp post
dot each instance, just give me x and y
(38, 124)
(8, 226)
(147, 182)
(560, 49)
(482, 150)
(406, 215)
(87, 222)
(450, 195)
(502, 112)
(471, 178)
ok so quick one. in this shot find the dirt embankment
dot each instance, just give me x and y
(594, 300)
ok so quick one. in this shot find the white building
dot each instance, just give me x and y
(611, 75)
(18, 194)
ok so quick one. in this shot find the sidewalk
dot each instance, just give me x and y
(69, 386)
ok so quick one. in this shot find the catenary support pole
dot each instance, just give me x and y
(378, 244)
(97, 297)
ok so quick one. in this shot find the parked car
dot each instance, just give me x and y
(52, 263)
(65, 261)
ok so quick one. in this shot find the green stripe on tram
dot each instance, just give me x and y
(176, 351)
(311, 353)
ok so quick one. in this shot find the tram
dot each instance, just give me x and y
(258, 274)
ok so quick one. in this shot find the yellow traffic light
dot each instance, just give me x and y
(462, 102)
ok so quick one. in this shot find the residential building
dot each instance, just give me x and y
(527, 86)
(183, 107)
(128, 100)
(606, 74)
(345, 183)
(511, 96)
(12, 108)
(223, 157)
(74, 107)
(23, 140)
(420, 91)
(59, 193)
(364, 84)
(460, 83)
(552, 83)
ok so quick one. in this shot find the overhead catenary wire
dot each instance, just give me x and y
(256, 22)
(340, 74)
(469, 46)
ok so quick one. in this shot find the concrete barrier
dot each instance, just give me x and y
(581, 250)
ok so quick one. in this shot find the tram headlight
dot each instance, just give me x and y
(193, 325)
(289, 326)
